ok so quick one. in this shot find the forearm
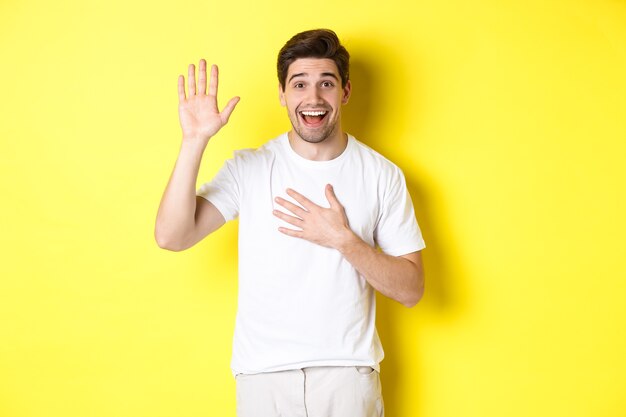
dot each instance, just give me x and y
(176, 216)
(395, 277)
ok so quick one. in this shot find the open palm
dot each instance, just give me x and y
(200, 118)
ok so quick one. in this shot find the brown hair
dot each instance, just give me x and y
(317, 43)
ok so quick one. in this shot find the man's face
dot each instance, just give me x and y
(313, 96)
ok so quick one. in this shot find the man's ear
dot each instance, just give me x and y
(346, 92)
(281, 95)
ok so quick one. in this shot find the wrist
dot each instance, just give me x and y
(348, 242)
(193, 145)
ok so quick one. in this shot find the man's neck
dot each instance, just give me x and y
(328, 149)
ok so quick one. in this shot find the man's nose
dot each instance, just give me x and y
(315, 95)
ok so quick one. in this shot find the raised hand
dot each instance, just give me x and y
(200, 118)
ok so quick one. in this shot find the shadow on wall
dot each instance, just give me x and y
(375, 71)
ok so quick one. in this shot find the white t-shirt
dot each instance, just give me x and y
(301, 304)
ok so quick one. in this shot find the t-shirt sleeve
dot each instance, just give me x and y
(223, 190)
(397, 232)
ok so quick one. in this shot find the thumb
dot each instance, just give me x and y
(228, 109)
(332, 198)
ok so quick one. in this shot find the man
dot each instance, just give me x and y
(313, 205)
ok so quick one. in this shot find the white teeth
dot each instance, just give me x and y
(313, 113)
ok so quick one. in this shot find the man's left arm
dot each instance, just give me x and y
(398, 277)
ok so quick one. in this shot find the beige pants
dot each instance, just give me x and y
(324, 391)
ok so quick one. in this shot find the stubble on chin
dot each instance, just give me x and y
(313, 136)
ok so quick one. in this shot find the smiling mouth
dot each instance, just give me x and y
(313, 118)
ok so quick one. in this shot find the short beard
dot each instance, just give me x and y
(313, 137)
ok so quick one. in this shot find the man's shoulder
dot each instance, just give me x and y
(372, 158)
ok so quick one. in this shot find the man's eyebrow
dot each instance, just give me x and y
(304, 74)
(330, 74)
(300, 74)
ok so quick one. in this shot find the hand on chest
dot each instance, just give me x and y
(358, 196)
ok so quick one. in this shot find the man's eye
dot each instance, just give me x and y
(298, 85)
(327, 84)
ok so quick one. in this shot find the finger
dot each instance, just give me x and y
(290, 232)
(332, 198)
(228, 109)
(296, 221)
(202, 77)
(304, 202)
(181, 88)
(191, 81)
(213, 81)
(297, 210)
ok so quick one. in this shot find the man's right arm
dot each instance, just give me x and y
(183, 218)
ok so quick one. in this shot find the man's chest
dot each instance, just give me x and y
(356, 190)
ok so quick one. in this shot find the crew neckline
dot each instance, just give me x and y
(284, 139)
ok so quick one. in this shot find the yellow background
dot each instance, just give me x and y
(508, 118)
